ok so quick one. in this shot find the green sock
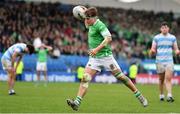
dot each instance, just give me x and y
(137, 93)
(78, 100)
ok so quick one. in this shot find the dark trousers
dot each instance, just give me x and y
(133, 80)
(18, 77)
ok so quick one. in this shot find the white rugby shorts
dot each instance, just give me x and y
(108, 63)
(161, 68)
(41, 66)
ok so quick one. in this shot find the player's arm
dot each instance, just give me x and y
(153, 48)
(49, 48)
(106, 41)
(18, 61)
(14, 56)
(176, 49)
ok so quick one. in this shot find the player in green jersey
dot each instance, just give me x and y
(100, 54)
(41, 61)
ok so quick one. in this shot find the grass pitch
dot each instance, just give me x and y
(101, 98)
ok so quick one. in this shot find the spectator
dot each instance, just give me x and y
(19, 70)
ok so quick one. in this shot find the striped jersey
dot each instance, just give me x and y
(164, 45)
(19, 48)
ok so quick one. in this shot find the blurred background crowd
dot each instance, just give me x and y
(54, 25)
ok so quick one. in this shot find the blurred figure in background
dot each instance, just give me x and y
(37, 41)
(14, 52)
(133, 71)
(163, 45)
(42, 53)
(80, 72)
(19, 70)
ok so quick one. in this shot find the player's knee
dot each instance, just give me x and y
(123, 78)
(86, 79)
(168, 79)
(119, 75)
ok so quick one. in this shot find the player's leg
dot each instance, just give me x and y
(45, 77)
(126, 81)
(88, 75)
(11, 80)
(111, 65)
(45, 71)
(161, 74)
(168, 77)
(6, 64)
(90, 70)
(38, 72)
(161, 86)
(38, 75)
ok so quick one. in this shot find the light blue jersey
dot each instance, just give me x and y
(164, 45)
(19, 48)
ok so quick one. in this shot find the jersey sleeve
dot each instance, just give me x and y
(104, 30)
(175, 46)
(17, 50)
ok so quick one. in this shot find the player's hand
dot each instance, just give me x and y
(152, 52)
(92, 52)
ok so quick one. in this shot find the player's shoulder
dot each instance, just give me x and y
(157, 36)
(23, 45)
(20, 44)
(99, 23)
(171, 35)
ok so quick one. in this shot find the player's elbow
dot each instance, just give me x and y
(109, 39)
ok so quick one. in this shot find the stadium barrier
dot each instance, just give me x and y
(63, 69)
(153, 79)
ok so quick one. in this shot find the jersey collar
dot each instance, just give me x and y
(96, 22)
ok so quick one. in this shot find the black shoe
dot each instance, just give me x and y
(170, 99)
(161, 99)
(72, 104)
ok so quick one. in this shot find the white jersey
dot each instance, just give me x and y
(164, 45)
(19, 48)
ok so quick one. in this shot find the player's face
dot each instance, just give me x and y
(164, 29)
(26, 50)
(89, 21)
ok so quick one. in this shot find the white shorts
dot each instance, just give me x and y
(108, 63)
(6, 64)
(41, 66)
(161, 68)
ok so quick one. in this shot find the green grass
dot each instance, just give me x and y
(101, 98)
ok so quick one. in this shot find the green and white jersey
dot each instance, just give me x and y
(42, 55)
(96, 34)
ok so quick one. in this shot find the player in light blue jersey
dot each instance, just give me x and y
(163, 46)
(15, 52)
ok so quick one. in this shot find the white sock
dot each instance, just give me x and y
(169, 95)
(161, 96)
